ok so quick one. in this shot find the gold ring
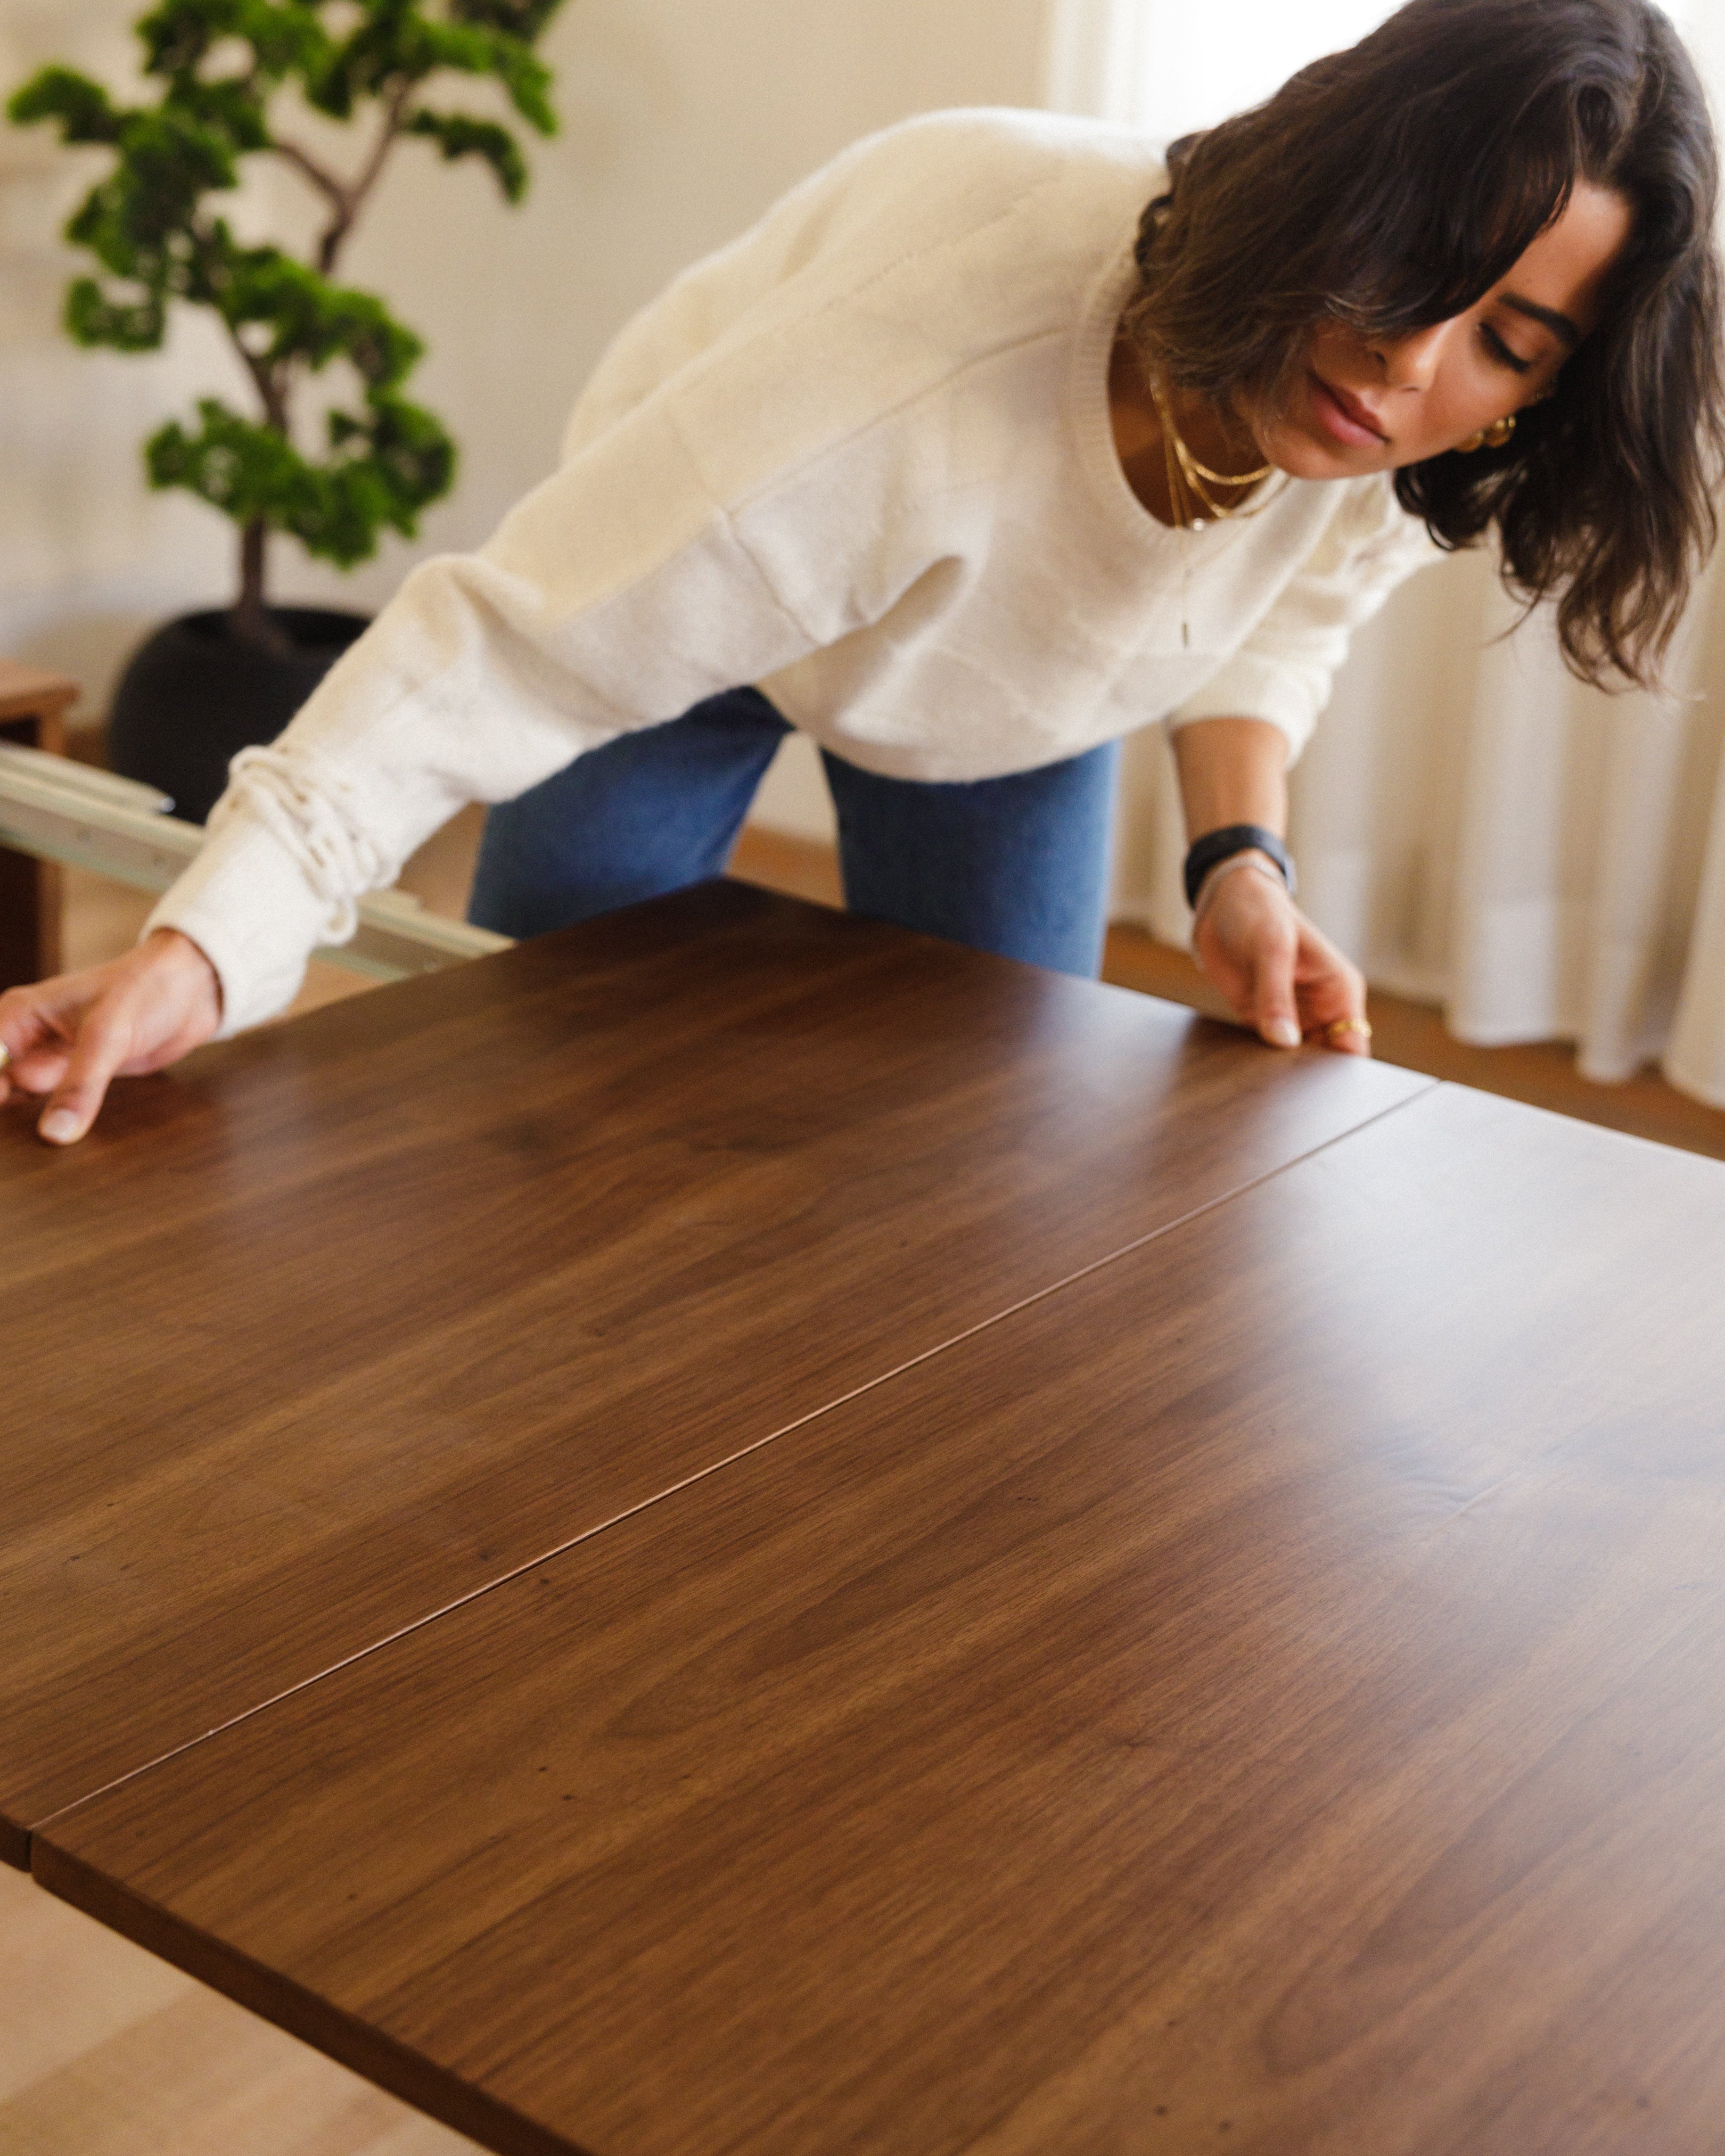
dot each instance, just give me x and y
(5, 1056)
(1338, 1026)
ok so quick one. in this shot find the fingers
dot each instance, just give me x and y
(1260, 946)
(1275, 1006)
(39, 1031)
(1347, 1036)
(103, 1045)
(1333, 995)
(36, 1073)
(1246, 942)
(64, 1038)
(32, 1043)
(69, 1037)
(1282, 977)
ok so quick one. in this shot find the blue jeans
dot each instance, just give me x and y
(1018, 865)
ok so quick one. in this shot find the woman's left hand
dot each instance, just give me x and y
(1282, 978)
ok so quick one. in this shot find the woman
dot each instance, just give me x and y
(967, 465)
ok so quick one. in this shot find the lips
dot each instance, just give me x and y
(1343, 415)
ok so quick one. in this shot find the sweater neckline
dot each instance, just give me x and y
(1131, 522)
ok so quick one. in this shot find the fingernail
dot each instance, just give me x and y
(58, 1125)
(1285, 1033)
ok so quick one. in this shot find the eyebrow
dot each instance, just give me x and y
(1558, 324)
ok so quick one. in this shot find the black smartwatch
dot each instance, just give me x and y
(1216, 846)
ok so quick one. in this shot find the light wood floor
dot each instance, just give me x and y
(105, 2051)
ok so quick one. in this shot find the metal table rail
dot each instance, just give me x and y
(63, 811)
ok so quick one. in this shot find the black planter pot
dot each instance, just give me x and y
(194, 695)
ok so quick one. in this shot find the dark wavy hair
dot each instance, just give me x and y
(1390, 187)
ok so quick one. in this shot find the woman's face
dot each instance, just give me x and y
(1360, 405)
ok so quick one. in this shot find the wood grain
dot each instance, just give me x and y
(341, 1321)
(1543, 1073)
(1269, 1694)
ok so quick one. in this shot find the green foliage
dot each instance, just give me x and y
(459, 137)
(383, 469)
(81, 106)
(226, 69)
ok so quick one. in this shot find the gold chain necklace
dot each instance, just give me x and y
(1177, 504)
(1195, 475)
(1189, 463)
(1185, 482)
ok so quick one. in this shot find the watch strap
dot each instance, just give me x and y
(1217, 846)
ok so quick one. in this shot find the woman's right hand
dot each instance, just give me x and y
(1283, 978)
(68, 1037)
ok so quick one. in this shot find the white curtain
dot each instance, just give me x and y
(1476, 828)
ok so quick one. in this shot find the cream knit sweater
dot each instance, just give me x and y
(861, 457)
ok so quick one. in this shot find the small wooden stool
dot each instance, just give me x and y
(33, 709)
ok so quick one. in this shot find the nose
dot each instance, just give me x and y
(1411, 362)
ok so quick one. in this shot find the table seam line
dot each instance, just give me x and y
(715, 1467)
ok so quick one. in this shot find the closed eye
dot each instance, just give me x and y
(1501, 351)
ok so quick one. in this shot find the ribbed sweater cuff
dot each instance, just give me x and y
(246, 905)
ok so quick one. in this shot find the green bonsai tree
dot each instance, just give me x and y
(228, 69)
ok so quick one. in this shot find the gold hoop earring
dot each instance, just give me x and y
(1493, 437)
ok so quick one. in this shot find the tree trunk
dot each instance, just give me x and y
(250, 618)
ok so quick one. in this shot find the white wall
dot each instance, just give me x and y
(682, 120)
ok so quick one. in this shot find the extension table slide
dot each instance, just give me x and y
(737, 1531)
